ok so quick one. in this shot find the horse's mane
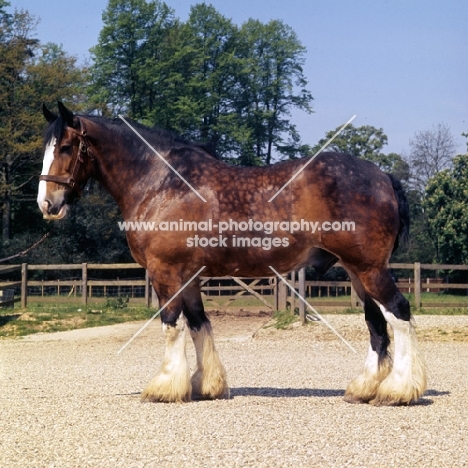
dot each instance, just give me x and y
(166, 139)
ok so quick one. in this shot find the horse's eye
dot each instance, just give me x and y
(67, 149)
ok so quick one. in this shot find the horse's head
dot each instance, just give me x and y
(68, 163)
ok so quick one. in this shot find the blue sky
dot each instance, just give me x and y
(399, 64)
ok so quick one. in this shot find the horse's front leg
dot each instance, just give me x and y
(209, 380)
(172, 382)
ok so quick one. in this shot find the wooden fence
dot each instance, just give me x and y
(237, 287)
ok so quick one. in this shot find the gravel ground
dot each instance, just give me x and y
(68, 400)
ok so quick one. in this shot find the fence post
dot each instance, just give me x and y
(147, 290)
(282, 295)
(302, 315)
(275, 294)
(417, 285)
(84, 283)
(353, 297)
(24, 285)
(292, 300)
(154, 299)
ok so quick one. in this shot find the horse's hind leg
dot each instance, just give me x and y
(407, 380)
(378, 362)
(209, 380)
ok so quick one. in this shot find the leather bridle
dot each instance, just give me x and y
(84, 150)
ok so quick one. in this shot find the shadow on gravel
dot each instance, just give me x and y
(272, 392)
(436, 393)
(425, 401)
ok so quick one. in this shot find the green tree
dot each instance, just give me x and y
(271, 84)
(16, 49)
(126, 74)
(420, 247)
(29, 74)
(3, 12)
(203, 73)
(205, 78)
(446, 207)
(431, 152)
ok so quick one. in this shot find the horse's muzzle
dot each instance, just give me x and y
(54, 205)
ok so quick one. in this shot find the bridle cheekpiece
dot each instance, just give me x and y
(84, 150)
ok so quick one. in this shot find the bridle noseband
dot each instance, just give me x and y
(84, 149)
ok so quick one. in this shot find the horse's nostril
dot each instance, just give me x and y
(53, 210)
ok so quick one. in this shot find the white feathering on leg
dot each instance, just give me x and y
(172, 383)
(407, 381)
(209, 380)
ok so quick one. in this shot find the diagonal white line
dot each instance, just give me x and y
(162, 159)
(312, 158)
(312, 309)
(161, 309)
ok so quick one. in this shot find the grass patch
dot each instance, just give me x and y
(440, 311)
(47, 318)
(283, 319)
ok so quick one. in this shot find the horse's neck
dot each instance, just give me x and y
(126, 176)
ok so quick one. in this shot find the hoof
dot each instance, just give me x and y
(395, 398)
(361, 390)
(166, 390)
(354, 400)
(204, 388)
(365, 387)
(388, 402)
(148, 396)
(400, 389)
(203, 396)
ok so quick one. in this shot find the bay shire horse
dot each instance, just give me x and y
(332, 188)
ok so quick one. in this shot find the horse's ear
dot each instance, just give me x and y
(66, 114)
(49, 115)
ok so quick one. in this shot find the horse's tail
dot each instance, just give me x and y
(403, 211)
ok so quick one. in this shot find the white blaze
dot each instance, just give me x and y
(48, 159)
